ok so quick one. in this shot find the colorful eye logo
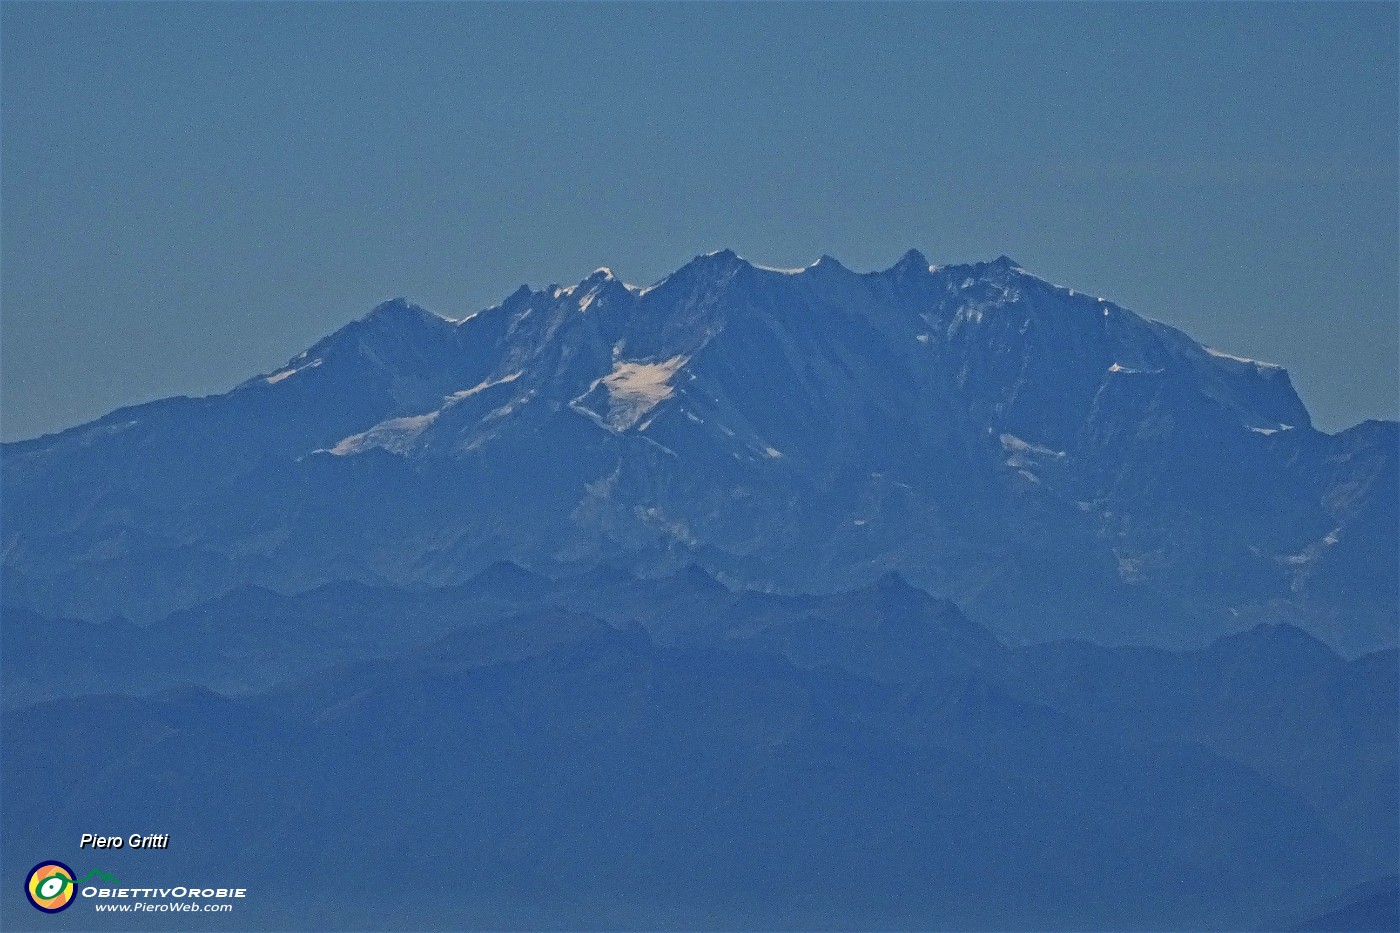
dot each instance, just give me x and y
(50, 887)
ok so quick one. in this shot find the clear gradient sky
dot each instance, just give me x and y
(193, 193)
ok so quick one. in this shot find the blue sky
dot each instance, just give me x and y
(194, 193)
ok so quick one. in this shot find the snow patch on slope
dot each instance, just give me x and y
(288, 373)
(1025, 457)
(395, 435)
(626, 395)
(398, 435)
(482, 387)
(1260, 366)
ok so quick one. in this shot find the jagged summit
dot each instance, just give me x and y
(520, 294)
(725, 262)
(911, 261)
(720, 259)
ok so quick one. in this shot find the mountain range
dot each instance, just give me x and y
(683, 756)
(1054, 464)
(934, 598)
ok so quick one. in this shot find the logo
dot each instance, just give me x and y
(50, 887)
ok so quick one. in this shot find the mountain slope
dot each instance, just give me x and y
(559, 772)
(1051, 462)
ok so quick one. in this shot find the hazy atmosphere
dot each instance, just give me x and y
(193, 194)
(754, 467)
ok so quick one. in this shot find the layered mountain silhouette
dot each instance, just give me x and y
(929, 598)
(684, 756)
(1051, 462)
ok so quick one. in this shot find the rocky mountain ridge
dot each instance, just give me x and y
(1051, 462)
